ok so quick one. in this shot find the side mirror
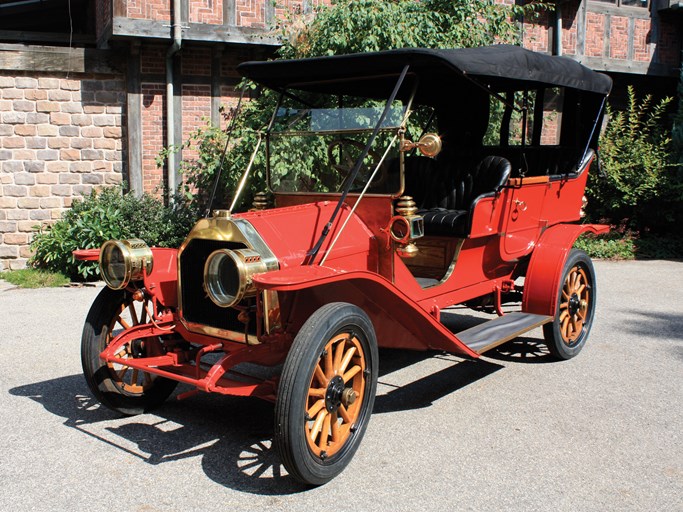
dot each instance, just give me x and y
(429, 145)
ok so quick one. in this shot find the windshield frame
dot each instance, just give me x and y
(396, 130)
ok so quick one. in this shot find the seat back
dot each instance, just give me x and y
(488, 177)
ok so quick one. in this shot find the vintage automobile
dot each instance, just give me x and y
(404, 182)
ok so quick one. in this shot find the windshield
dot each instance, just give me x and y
(315, 142)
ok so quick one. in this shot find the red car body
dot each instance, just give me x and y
(516, 242)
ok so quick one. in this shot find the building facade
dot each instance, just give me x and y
(86, 99)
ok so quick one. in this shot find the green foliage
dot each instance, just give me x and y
(613, 246)
(638, 186)
(628, 246)
(103, 216)
(344, 27)
(374, 25)
(677, 134)
(34, 278)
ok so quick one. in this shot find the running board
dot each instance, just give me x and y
(488, 335)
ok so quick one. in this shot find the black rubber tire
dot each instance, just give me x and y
(99, 375)
(560, 347)
(305, 354)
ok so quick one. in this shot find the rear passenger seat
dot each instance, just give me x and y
(445, 194)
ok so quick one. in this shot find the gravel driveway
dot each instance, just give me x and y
(512, 431)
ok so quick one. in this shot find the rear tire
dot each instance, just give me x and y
(120, 388)
(326, 393)
(567, 334)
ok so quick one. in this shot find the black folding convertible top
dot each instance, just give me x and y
(500, 67)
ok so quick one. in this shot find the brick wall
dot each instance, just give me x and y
(153, 135)
(59, 138)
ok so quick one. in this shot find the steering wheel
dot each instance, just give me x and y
(343, 160)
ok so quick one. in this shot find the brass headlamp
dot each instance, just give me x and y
(228, 275)
(123, 261)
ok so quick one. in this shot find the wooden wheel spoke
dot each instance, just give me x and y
(317, 407)
(134, 377)
(320, 375)
(564, 305)
(335, 428)
(316, 392)
(338, 354)
(575, 279)
(324, 433)
(123, 323)
(122, 373)
(351, 373)
(565, 323)
(329, 363)
(133, 313)
(347, 359)
(344, 414)
(317, 425)
(564, 315)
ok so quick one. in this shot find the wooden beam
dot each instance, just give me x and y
(269, 13)
(626, 66)
(606, 43)
(20, 57)
(197, 32)
(581, 29)
(627, 11)
(630, 52)
(134, 121)
(178, 119)
(25, 36)
(229, 13)
(216, 59)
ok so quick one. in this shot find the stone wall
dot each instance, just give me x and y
(59, 138)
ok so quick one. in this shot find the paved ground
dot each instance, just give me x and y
(513, 431)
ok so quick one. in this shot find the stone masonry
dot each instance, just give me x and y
(59, 138)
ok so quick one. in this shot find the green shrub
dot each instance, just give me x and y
(341, 28)
(613, 246)
(103, 216)
(638, 186)
(628, 246)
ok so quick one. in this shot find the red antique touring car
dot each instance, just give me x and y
(404, 182)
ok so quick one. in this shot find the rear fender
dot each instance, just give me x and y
(542, 282)
(398, 321)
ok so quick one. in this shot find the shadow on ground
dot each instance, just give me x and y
(233, 436)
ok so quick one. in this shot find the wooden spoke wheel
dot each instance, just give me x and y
(326, 393)
(117, 386)
(567, 334)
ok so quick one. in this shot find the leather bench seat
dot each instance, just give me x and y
(446, 192)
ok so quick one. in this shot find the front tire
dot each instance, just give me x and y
(326, 393)
(120, 388)
(567, 334)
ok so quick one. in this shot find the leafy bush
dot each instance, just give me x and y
(637, 185)
(613, 246)
(627, 246)
(103, 216)
(343, 27)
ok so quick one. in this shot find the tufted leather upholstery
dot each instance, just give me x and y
(445, 198)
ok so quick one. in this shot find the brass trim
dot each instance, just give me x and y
(137, 260)
(225, 334)
(224, 229)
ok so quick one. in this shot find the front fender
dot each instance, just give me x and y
(542, 282)
(399, 321)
